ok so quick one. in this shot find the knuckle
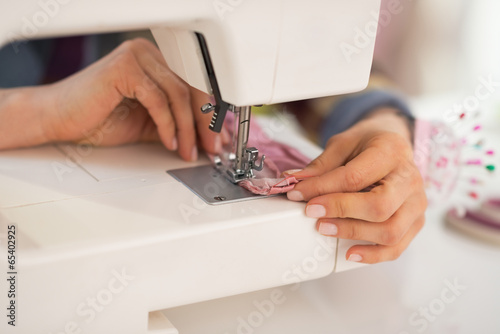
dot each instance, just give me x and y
(423, 202)
(392, 235)
(353, 179)
(375, 257)
(394, 253)
(140, 41)
(318, 163)
(181, 91)
(407, 172)
(402, 146)
(161, 99)
(320, 186)
(334, 138)
(340, 208)
(124, 61)
(353, 232)
(416, 181)
(127, 46)
(381, 210)
(134, 44)
(420, 223)
(395, 143)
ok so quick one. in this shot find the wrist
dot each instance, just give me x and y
(391, 120)
(23, 114)
(360, 107)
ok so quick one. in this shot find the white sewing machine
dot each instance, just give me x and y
(105, 239)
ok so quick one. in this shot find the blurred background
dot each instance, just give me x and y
(436, 47)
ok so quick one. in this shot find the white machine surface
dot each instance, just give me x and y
(105, 237)
(444, 283)
(263, 51)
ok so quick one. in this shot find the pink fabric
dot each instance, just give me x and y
(270, 186)
(279, 158)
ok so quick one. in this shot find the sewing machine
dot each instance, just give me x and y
(105, 237)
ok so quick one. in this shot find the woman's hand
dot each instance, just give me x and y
(376, 151)
(129, 95)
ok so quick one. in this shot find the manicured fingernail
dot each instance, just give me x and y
(291, 171)
(295, 195)
(328, 229)
(315, 211)
(218, 144)
(194, 154)
(355, 258)
(174, 144)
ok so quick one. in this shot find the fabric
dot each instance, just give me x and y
(270, 186)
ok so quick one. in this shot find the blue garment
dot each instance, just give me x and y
(24, 63)
(354, 108)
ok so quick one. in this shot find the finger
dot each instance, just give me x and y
(389, 232)
(335, 155)
(149, 131)
(151, 48)
(226, 137)
(133, 86)
(179, 98)
(211, 141)
(377, 205)
(367, 168)
(381, 253)
(141, 126)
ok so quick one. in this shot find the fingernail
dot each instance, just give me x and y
(355, 258)
(291, 171)
(295, 195)
(328, 229)
(315, 211)
(194, 154)
(218, 144)
(174, 144)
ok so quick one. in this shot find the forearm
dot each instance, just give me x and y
(22, 117)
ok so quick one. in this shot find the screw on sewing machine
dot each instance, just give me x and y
(208, 107)
(219, 198)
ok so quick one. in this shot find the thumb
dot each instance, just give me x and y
(335, 155)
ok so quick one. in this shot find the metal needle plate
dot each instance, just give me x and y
(211, 186)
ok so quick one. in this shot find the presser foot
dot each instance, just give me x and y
(249, 165)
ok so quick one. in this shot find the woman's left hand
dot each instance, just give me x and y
(376, 152)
